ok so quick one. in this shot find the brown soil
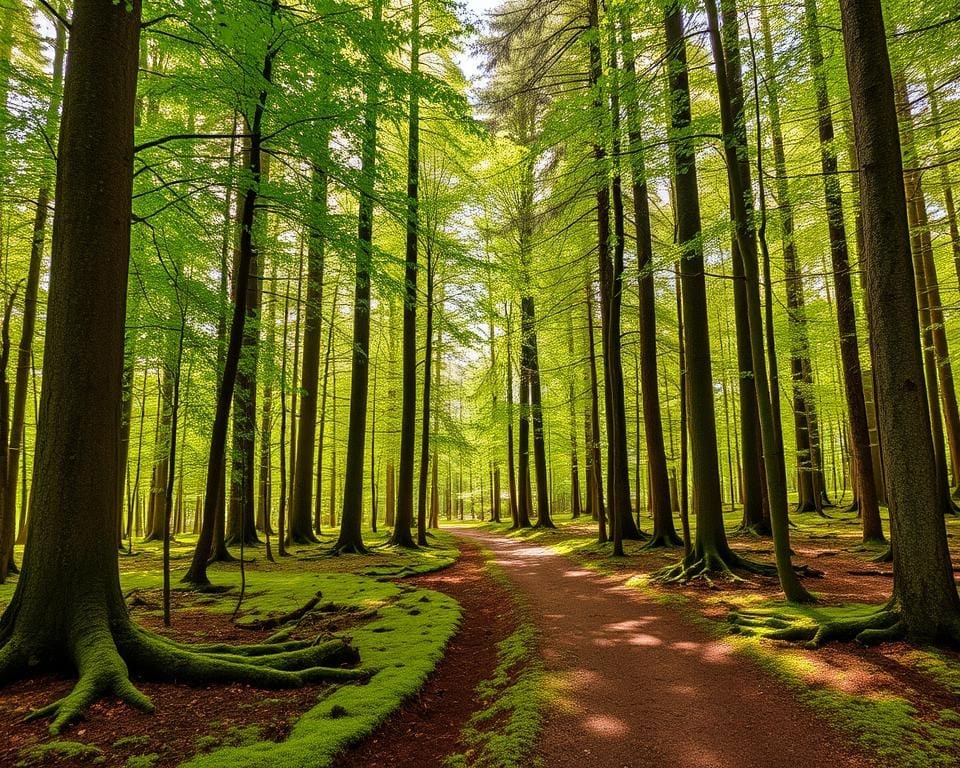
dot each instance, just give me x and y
(184, 717)
(634, 684)
(427, 728)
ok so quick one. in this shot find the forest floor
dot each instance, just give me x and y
(645, 674)
(373, 600)
(533, 649)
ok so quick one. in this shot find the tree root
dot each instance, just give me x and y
(880, 626)
(278, 621)
(351, 548)
(708, 565)
(662, 541)
(102, 656)
(705, 568)
(102, 672)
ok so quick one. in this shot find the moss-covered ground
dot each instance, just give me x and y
(400, 631)
(900, 704)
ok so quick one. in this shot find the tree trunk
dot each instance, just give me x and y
(710, 550)
(735, 146)
(846, 312)
(402, 535)
(664, 532)
(197, 573)
(924, 589)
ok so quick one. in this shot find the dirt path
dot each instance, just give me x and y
(638, 687)
(427, 728)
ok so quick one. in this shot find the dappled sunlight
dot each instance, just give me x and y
(626, 668)
(606, 725)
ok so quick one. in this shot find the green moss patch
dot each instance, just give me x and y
(51, 751)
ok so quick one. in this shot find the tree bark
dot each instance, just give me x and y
(924, 591)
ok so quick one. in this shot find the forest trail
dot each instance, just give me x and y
(634, 685)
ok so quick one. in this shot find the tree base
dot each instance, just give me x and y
(659, 540)
(349, 548)
(878, 625)
(707, 565)
(250, 540)
(105, 655)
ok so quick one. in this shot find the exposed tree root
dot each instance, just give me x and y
(880, 626)
(663, 541)
(105, 658)
(277, 621)
(707, 565)
(884, 557)
(351, 548)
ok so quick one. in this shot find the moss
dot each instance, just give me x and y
(349, 712)
(939, 667)
(886, 726)
(142, 761)
(52, 751)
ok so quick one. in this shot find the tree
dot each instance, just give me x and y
(925, 606)
(710, 552)
(402, 535)
(846, 317)
(351, 539)
(68, 609)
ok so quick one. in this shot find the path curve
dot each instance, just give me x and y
(634, 685)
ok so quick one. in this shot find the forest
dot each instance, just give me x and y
(483, 384)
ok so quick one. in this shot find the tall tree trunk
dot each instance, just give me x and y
(846, 312)
(664, 532)
(810, 467)
(301, 506)
(929, 294)
(595, 468)
(351, 517)
(710, 551)
(425, 409)
(924, 590)
(197, 573)
(735, 146)
(402, 535)
(511, 461)
(29, 321)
